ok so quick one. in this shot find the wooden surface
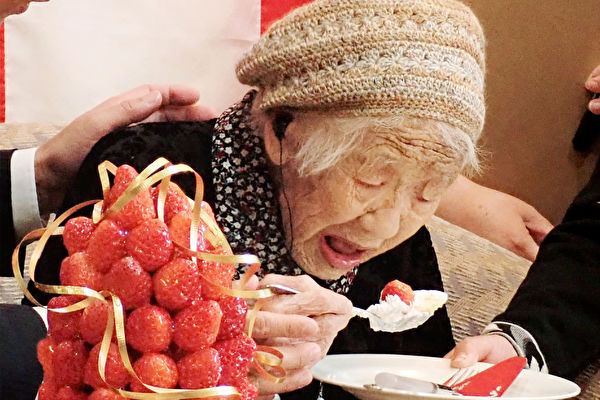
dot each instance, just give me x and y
(539, 53)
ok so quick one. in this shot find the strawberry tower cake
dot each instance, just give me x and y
(178, 327)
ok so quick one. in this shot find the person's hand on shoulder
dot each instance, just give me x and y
(496, 216)
(301, 326)
(484, 348)
(593, 85)
(57, 161)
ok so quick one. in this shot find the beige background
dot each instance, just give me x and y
(539, 54)
(93, 49)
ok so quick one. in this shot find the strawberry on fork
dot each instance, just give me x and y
(399, 289)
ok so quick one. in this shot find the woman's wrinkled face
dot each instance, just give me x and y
(367, 204)
(9, 7)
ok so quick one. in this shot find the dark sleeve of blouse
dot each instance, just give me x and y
(138, 146)
(7, 243)
(557, 302)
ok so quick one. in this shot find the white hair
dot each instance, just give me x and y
(325, 139)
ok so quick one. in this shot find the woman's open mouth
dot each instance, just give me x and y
(340, 253)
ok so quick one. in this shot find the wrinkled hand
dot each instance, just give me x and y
(496, 216)
(302, 326)
(593, 85)
(57, 161)
(486, 348)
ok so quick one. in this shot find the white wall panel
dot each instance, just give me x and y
(65, 56)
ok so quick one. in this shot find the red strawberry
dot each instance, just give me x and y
(218, 273)
(123, 177)
(106, 245)
(176, 201)
(104, 394)
(234, 311)
(116, 374)
(179, 229)
(45, 352)
(177, 284)
(138, 209)
(78, 270)
(77, 234)
(197, 326)
(150, 244)
(63, 326)
(69, 393)
(200, 369)
(155, 369)
(236, 357)
(246, 389)
(68, 361)
(93, 321)
(149, 329)
(47, 390)
(127, 280)
(175, 352)
(399, 289)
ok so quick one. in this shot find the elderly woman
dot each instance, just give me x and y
(364, 112)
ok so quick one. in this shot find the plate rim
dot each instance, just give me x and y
(436, 395)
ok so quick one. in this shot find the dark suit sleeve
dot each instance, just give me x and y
(21, 373)
(557, 302)
(7, 242)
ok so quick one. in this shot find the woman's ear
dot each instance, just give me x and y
(274, 136)
(272, 144)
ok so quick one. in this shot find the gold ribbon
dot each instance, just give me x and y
(271, 358)
(44, 235)
(159, 170)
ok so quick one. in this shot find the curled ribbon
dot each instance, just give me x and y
(161, 171)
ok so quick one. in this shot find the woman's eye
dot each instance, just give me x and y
(370, 184)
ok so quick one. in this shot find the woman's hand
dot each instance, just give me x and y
(486, 348)
(496, 216)
(593, 85)
(302, 326)
(58, 160)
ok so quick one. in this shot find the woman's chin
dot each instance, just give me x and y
(325, 272)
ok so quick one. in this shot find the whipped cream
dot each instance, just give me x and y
(394, 315)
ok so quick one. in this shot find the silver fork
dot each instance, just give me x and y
(460, 375)
(359, 312)
(386, 380)
(282, 289)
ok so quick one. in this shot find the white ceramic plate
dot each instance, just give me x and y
(352, 371)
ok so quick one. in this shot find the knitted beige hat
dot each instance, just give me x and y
(421, 58)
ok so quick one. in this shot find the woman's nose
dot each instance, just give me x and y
(383, 222)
